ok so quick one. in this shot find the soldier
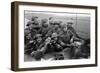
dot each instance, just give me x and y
(73, 31)
(30, 32)
(66, 38)
(54, 44)
(28, 43)
(44, 28)
(38, 44)
(75, 41)
(66, 35)
(34, 26)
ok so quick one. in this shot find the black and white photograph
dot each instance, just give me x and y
(56, 36)
(53, 36)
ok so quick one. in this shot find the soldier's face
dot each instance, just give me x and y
(35, 19)
(39, 39)
(28, 36)
(45, 25)
(48, 40)
(65, 29)
(31, 26)
(55, 38)
(69, 25)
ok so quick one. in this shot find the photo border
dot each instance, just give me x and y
(15, 34)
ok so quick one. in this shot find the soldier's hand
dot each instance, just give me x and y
(58, 46)
(31, 41)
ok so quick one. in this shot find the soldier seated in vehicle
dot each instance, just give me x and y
(52, 44)
(28, 43)
(38, 44)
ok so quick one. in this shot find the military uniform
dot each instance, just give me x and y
(66, 36)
